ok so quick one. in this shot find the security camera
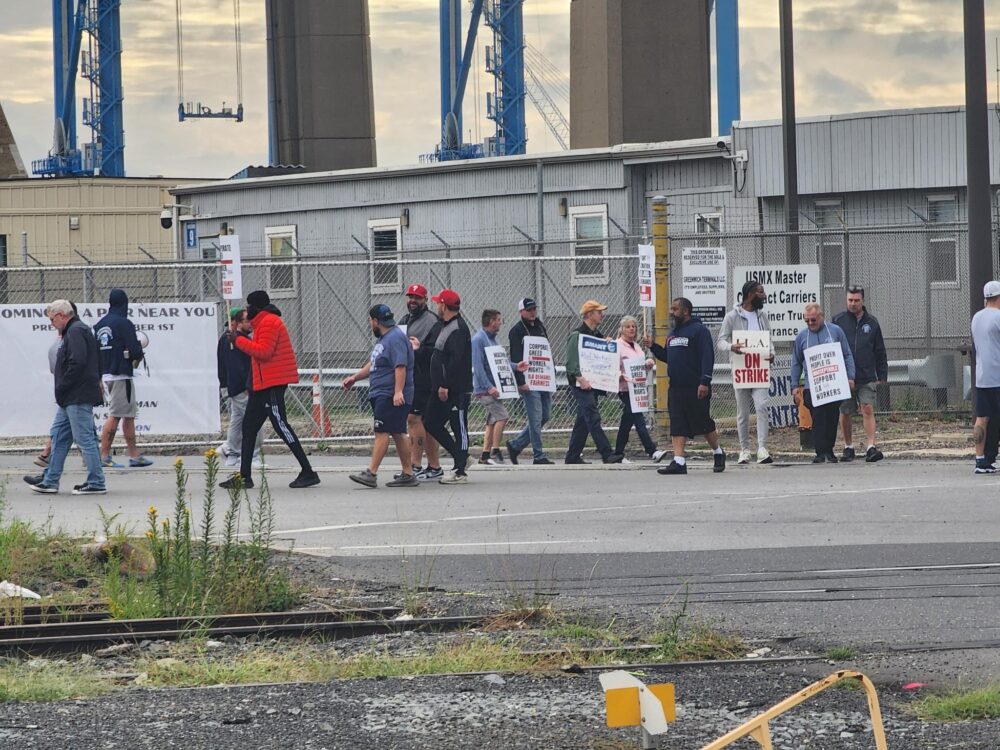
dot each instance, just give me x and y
(166, 218)
(722, 145)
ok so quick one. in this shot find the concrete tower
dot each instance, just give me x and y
(639, 71)
(11, 166)
(321, 102)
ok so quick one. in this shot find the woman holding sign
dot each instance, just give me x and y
(633, 389)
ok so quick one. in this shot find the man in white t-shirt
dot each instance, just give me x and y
(986, 341)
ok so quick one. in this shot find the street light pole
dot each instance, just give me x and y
(788, 132)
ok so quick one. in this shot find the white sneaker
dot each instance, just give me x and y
(658, 456)
(454, 478)
(763, 457)
(258, 464)
(232, 461)
(221, 450)
(744, 457)
(626, 461)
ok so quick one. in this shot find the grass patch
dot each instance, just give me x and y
(40, 681)
(967, 705)
(840, 653)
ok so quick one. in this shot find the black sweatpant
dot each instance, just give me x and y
(261, 406)
(826, 418)
(455, 411)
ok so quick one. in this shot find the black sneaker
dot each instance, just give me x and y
(88, 489)
(415, 471)
(43, 489)
(543, 461)
(819, 459)
(512, 453)
(304, 479)
(981, 467)
(407, 480)
(719, 462)
(364, 477)
(237, 482)
(673, 468)
(34, 479)
(847, 455)
(831, 458)
(613, 458)
(497, 455)
(429, 474)
(575, 461)
(872, 455)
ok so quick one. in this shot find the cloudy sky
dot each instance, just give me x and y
(851, 55)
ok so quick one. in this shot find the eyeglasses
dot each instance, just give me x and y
(812, 320)
(856, 290)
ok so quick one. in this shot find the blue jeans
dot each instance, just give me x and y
(74, 424)
(538, 405)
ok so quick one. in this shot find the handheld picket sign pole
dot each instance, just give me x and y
(629, 702)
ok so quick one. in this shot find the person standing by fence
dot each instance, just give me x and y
(419, 321)
(628, 331)
(484, 388)
(234, 379)
(986, 341)
(537, 404)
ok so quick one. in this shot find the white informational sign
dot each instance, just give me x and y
(599, 363)
(704, 277)
(647, 276)
(541, 372)
(232, 269)
(751, 368)
(179, 395)
(637, 377)
(503, 375)
(788, 290)
(826, 373)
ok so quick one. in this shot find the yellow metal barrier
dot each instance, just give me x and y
(758, 729)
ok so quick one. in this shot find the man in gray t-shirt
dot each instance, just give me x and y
(986, 343)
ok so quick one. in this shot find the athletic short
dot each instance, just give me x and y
(419, 405)
(389, 417)
(988, 402)
(689, 415)
(121, 399)
(494, 408)
(863, 394)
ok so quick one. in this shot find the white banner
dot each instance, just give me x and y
(179, 396)
(647, 276)
(232, 269)
(751, 368)
(637, 377)
(599, 363)
(704, 275)
(541, 372)
(788, 290)
(827, 373)
(503, 375)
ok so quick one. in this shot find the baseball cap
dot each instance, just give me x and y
(448, 297)
(383, 314)
(234, 311)
(991, 290)
(416, 290)
(590, 305)
(527, 304)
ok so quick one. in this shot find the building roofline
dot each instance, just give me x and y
(749, 124)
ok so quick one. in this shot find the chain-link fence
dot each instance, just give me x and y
(915, 282)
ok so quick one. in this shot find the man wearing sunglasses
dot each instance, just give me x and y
(825, 417)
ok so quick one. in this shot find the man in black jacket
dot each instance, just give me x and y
(234, 379)
(690, 356)
(871, 366)
(419, 321)
(537, 404)
(78, 391)
(450, 362)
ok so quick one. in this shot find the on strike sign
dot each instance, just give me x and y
(751, 368)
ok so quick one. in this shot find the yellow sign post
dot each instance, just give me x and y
(661, 323)
(630, 703)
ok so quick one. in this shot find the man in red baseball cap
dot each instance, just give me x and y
(418, 322)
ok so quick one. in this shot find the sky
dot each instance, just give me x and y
(851, 55)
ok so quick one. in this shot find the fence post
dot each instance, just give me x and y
(319, 356)
(661, 325)
(24, 249)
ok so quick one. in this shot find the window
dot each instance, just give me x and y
(942, 243)
(589, 227)
(708, 227)
(281, 248)
(384, 237)
(830, 241)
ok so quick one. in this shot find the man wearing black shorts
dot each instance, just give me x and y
(390, 371)
(986, 340)
(418, 322)
(690, 357)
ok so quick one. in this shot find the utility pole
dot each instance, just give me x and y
(788, 132)
(661, 321)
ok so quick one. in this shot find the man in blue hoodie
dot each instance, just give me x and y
(690, 357)
(120, 352)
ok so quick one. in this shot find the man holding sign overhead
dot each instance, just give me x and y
(821, 349)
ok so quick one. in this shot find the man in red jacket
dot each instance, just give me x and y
(273, 368)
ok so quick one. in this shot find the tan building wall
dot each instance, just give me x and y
(105, 219)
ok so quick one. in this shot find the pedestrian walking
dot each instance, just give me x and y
(120, 353)
(826, 417)
(690, 356)
(273, 368)
(419, 321)
(234, 380)
(450, 363)
(77, 383)
(390, 373)
(42, 459)
(628, 331)
(588, 414)
(537, 404)
(986, 343)
(484, 388)
(749, 315)
(871, 367)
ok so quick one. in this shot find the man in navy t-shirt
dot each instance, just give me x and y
(390, 390)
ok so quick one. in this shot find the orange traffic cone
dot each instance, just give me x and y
(321, 420)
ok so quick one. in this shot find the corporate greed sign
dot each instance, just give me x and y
(788, 290)
(178, 395)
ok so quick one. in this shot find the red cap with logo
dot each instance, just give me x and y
(447, 297)
(416, 290)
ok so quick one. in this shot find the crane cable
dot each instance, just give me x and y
(180, 57)
(237, 25)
